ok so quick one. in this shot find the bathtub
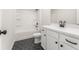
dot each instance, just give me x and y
(23, 34)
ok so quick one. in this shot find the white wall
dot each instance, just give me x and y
(8, 18)
(78, 16)
(69, 15)
(45, 16)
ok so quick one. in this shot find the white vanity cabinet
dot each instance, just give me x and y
(57, 38)
(52, 40)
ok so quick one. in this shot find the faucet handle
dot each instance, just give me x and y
(64, 21)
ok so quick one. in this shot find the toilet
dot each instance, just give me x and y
(37, 37)
(37, 34)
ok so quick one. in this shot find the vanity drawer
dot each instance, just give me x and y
(52, 33)
(63, 46)
(70, 41)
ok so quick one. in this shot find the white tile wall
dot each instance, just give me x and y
(24, 20)
(69, 15)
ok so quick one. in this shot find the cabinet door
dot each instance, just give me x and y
(64, 46)
(43, 39)
(52, 44)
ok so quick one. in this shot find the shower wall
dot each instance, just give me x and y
(25, 23)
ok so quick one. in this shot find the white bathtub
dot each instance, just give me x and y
(23, 34)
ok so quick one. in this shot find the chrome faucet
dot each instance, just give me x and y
(62, 23)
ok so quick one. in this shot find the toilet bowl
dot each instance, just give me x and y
(37, 37)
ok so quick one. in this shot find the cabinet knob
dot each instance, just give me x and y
(56, 42)
(61, 45)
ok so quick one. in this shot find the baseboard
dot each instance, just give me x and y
(23, 35)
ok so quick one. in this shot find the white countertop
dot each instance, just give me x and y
(70, 29)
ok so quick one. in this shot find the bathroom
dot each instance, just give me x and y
(39, 29)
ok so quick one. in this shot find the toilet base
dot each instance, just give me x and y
(37, 40)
